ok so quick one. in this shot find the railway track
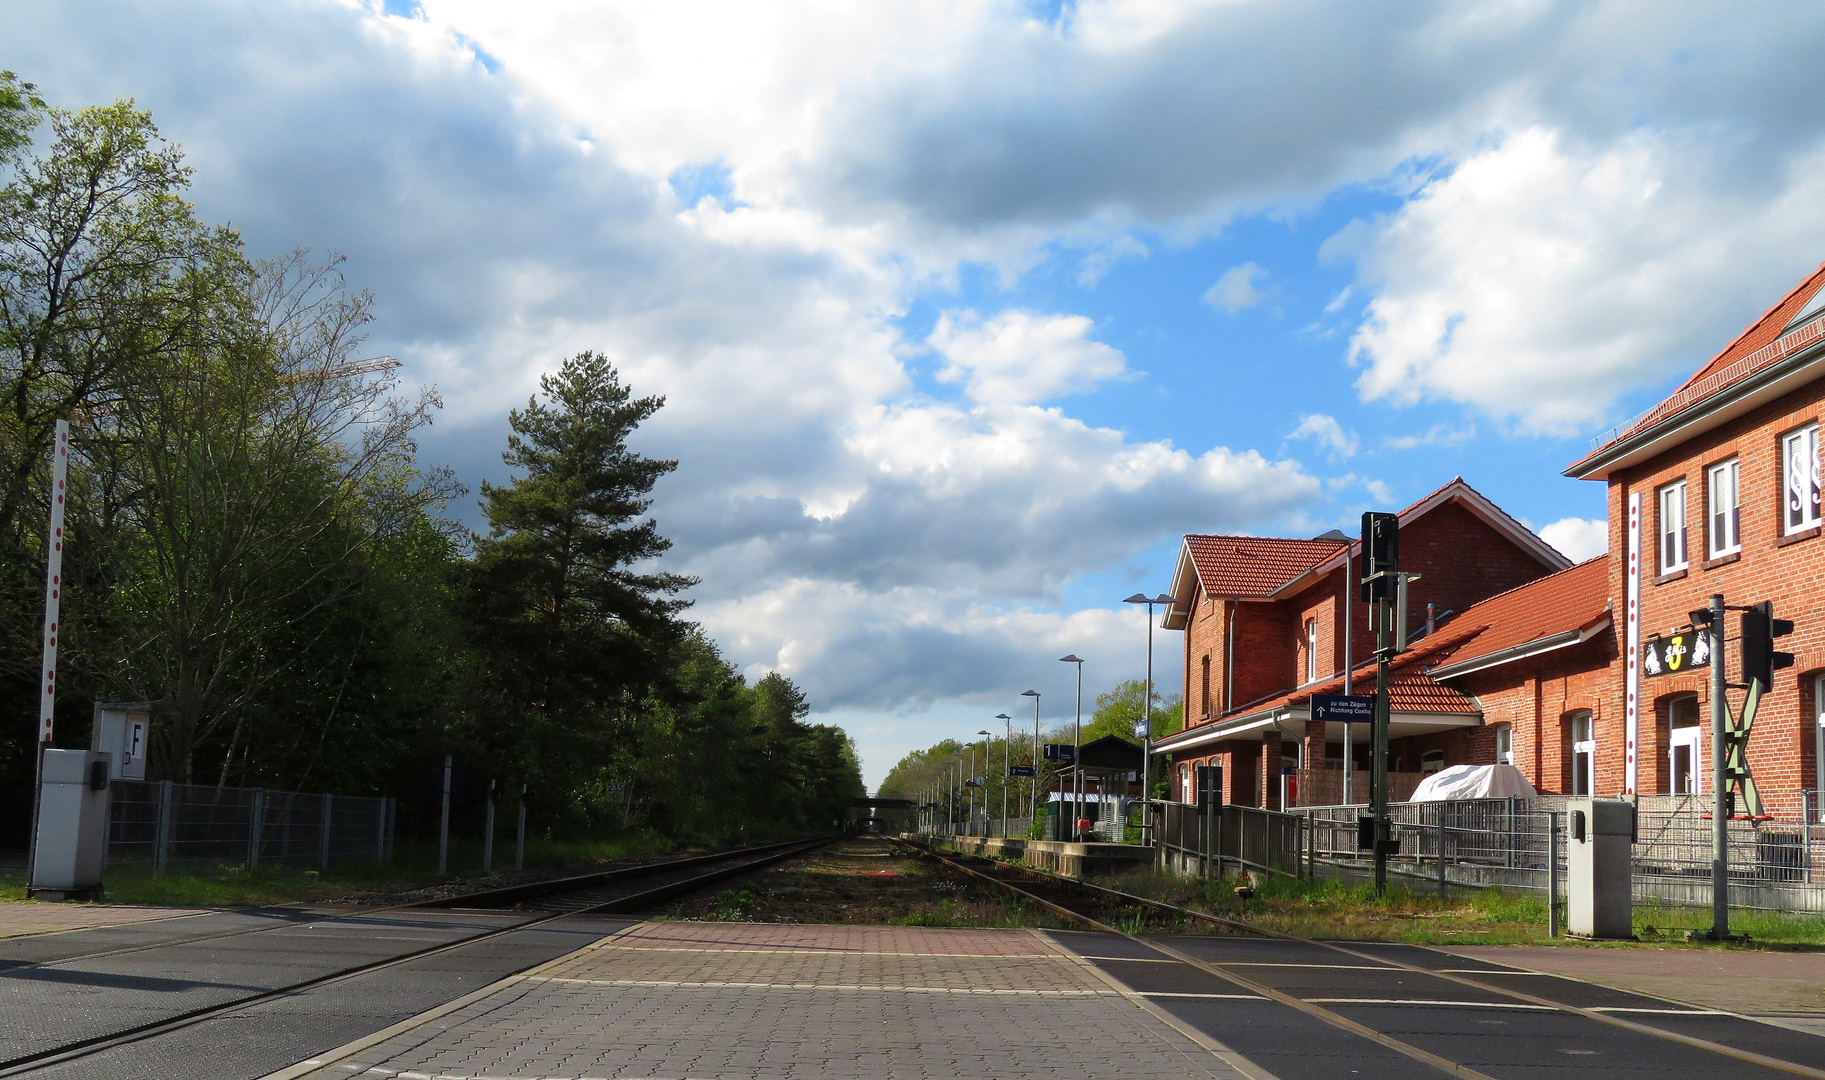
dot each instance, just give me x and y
(1385, 988)
(466, 920)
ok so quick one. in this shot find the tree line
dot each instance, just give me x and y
(936, 768)
(253, 544)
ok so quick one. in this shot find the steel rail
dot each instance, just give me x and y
(80, 1048)
(1747, 1056)
(488, 896)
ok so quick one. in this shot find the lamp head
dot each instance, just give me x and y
(1138, 598)
(1029, 693)
(1163, 598)
(1701, 617)
(1003, 716)
(982, 733)
(1070, 658)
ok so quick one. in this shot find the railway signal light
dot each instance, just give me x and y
(1760, 628)
(1380, 555)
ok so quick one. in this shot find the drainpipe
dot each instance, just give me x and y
(1229, 658)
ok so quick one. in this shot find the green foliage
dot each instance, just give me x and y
(1120, 710)
(253, 545)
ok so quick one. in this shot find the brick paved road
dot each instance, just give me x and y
(32, 918)
(780, 1002)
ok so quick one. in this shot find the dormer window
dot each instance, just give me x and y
(1813, 309)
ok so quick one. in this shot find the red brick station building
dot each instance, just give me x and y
(1514, 655)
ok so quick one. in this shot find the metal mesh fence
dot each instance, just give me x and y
(165, 823)
(1774, 860)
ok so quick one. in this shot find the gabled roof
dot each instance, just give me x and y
(1411, 689)
(1553, 612)
(1258, 568)
(1761, 363)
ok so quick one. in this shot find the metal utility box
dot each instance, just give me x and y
(72, 841)
(123, 729)
(1598, 867)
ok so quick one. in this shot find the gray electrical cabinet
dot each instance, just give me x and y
(123, 728)
(72, 842)
(1599, 852)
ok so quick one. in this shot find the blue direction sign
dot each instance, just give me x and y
(1061, 752)
(1344, 708)
(1022, 770)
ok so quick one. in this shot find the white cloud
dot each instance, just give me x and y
(1236, 289)
(1578, 539)
(1542, 278)
(1098, 262)
(1436, 435)
(1327, 432)
(1016, 357)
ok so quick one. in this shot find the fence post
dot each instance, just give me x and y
(519, 843)
(161, 832)
(1552, 875)
(1441, 849)
(380, 830)
(256, 811)
(323, 833)
(391, 806)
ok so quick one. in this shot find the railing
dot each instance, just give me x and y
(158, 824)
(1775, 862)
(1202, 840)
(1324, 787)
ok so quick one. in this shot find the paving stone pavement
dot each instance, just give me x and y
(707, 1001)
(30, 917)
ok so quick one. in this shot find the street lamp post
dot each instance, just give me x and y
(1077, 740)
(1033, 782)
(1147, 721)
(984, 777)
(1007, 737)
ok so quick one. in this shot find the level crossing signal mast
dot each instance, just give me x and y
(1380, 587)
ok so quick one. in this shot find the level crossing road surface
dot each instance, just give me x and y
(1434, 1011)
(793, 1002)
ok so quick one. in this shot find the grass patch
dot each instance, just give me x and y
(414, 866)
(1352, 912)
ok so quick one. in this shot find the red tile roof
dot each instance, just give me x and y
(1251, 567)
(1410, 689)
(1758, 346)
(1557, 603)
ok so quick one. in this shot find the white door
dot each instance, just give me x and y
(1685, 748)
(1584, 756)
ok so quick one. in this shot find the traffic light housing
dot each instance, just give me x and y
(1380, 555)
(1760, 628)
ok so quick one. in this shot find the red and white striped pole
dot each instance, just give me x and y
(53, 579)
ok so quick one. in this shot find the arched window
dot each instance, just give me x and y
(1581, 748)
(1185, 782)
(1431, 761)
(1204, 686)
(1685, 747)
(1311, 650)
(1504, 744)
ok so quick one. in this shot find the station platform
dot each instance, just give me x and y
(773, 1001)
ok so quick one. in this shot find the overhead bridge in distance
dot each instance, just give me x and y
(884, 802)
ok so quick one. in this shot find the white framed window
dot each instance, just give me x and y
(1504, 744)
(1583, 754)
(1725, 514)
(1800, 479)
(1185, 783)
(1431, 761)
(1685, 747)
(1673, 527)
(1311, 650)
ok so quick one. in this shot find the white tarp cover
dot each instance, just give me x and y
(1474, 782)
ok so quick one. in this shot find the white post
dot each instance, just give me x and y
(519, 851)
(443, 830)
(53, 592)
(488, 838)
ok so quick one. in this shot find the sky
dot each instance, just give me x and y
(966, 311)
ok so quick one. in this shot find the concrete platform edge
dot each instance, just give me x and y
(355, 1046)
